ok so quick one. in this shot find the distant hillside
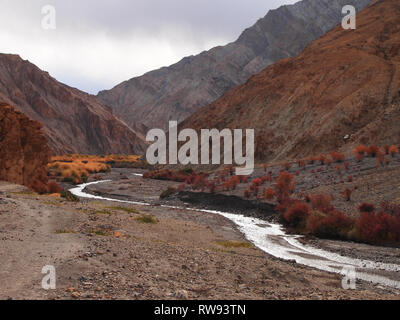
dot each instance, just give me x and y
(176, 92)
(73, 121)
(346, 83)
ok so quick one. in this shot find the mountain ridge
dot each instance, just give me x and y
(73, 121)
(177, 91)
(346, 83)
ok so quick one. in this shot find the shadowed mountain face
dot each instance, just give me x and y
(346, 83)
(176, 92)
(73, 121)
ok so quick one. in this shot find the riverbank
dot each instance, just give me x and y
(371, 263)
(106, 250)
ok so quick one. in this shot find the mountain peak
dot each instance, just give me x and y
(74, 121)
(176, 92)
(343, 84)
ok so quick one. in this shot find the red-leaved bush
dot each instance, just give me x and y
(337, 156)
(285, 185)
(53, 187)
(321, 202)
(360, 151)
(269, 194)
(39, 187)
(297, 214)
(393, 150)
(334, 225)
(380, 228)
(373, 151)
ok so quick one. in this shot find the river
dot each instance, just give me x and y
(272, 239)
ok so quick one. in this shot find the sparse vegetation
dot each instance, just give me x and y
(373, 151)
(124, 209)
(347, 194)
(285, 185)
(54, 187)
(269, 194)
(234, 244)
(337, 156)
(148, 219)
(69, 196)
(75, 169)
(167, 193)
(65, 231)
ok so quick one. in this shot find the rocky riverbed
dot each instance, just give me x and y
(111, 250)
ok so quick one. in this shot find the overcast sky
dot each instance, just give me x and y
(100, 43)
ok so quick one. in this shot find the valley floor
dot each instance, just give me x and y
(104, 250)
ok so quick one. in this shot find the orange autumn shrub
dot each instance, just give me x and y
(322, 159)
(311, 159)
(269, 194)
(360, 150)
(347, 194)
(39, 187)
(321, 202)
(328, 161)
(287, 166)
(393, 150)
(301, 163)
(285, 185)
(53, 187)
(373, 151)
(337, 156)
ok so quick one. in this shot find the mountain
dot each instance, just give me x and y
(345, 83)
(73, 121)
(24, 153)
(176, 92)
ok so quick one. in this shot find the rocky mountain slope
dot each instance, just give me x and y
(24, 153)
(74, 122)
(346, 83)
(176, 92)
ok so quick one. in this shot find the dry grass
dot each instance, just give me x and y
(146, 219)
(234, 244)
(76, 168)
(65, 232)
(124, 209)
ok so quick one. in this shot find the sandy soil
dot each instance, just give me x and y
(102, 251)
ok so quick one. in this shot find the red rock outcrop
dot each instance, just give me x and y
(24, 153)
(345, 83)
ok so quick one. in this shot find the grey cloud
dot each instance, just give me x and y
(99, 43)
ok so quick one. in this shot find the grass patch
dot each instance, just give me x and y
(52, 203)
(62, 231)
(124, 209)
(69, 196)
(147, 219)
(23, 193)
(100, 233)
(234, 244)
(103, 212)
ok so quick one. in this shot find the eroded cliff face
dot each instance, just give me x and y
(24, 153)
(176, 92)
(347, 83)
